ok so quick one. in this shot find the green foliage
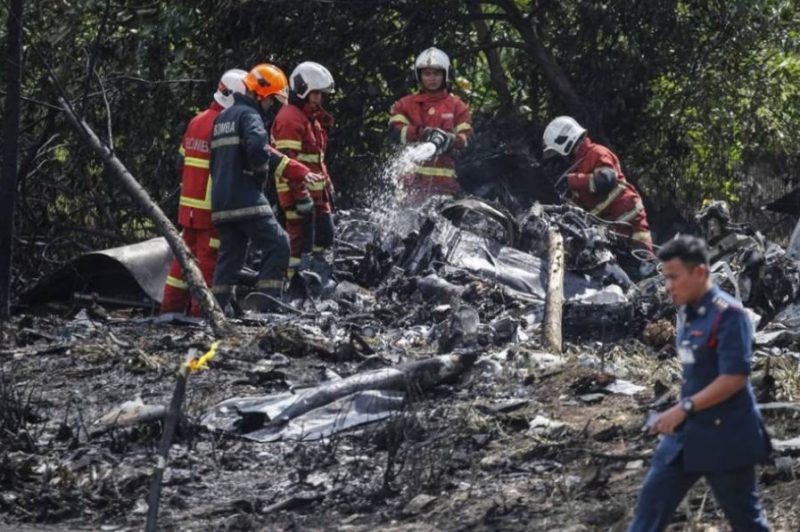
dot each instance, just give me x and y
(691, 94)
(722, 105)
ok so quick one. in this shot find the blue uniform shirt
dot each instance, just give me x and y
(715, 337)
(239, 148)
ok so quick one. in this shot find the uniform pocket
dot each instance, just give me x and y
(720, 440)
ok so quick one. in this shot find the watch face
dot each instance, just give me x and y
(688, 406)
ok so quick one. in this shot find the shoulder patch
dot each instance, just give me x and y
(724, 304)
(720, 303)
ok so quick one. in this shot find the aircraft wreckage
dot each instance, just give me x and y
(478, 277)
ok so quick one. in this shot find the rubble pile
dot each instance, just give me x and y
(407, 389)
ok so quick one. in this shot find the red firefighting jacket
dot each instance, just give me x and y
(411, 115)
(622, 204)
(195, 203)
(300, 133)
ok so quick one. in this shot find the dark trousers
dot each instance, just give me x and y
(264, 233)
(666, 485)
(312, 232)
(323, 230)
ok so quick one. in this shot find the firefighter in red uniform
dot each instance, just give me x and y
(194, 212)
(300, 131)
(434, 115)
(596, 183)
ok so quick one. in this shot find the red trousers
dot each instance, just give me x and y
(204, 244)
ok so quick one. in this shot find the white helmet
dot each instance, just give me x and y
(561, 136)
(433, 58)
(310, 76)
(231, 82)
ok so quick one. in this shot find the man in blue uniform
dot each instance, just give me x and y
(715, 431)
(241, 160)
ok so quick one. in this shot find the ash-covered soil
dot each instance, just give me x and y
(522, 441)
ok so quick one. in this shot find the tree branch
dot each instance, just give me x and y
(496, 72)
(108, 112)
(493, 45)
(157, 82)
(35, 101)
(92, 59)
(189, 267)
(552, 72)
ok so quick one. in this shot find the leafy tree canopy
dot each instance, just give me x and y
(701, 99)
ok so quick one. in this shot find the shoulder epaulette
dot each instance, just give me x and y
(723, 304)
(720, 303)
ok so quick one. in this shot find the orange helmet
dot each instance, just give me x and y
(266, 80)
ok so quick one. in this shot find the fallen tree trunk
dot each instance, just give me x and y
(554, 302)
(334, 406)
(191, 272)
(421, 374)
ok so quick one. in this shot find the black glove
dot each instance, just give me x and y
(439, 138)
(604, 180)
(304, 206)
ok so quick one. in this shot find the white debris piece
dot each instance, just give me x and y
(623, 387)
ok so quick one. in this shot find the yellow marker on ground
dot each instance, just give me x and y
(196, 364)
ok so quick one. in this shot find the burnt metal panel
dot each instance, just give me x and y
(136, 272)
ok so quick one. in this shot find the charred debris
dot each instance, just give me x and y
(407, 385)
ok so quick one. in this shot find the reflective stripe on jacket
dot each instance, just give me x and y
(194, 209)
(411, 115)
(300, 133)
(241, 160)
(622, 204)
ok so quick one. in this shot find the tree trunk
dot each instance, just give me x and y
(552, 72)
(496, 71)
(554, 304)
(191, 272)
(8, 177)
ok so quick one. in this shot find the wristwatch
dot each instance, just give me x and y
(688, 406)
